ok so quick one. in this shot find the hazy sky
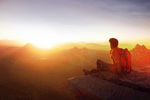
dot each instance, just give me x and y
(58, 21)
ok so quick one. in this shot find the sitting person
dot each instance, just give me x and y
(121, 60)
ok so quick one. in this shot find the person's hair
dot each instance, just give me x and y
(113, 42)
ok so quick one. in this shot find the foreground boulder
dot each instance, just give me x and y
(106, 86)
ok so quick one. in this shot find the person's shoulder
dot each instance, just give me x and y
(120, 49)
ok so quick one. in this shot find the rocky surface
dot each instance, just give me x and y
(105, 86)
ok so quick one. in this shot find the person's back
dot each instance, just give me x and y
(115, 56)
(121, 57)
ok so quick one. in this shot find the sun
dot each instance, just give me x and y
(44, 41)
(43, 44)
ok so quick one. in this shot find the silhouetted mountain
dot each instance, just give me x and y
(28, 51)
(98, 46)
(140, 55)
(140, 48)
(28, 46)
(11, 43)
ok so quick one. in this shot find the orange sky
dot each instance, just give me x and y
(51, 22)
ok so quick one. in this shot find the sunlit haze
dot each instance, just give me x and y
(46, 23)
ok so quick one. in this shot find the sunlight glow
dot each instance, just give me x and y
(43, 44)
(44, 41)
(40, 35)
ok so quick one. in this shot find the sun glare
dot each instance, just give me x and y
(44, 44)
(43, 41)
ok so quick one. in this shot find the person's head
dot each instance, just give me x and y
(113, 43)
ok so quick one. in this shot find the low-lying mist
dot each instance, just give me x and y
(31, 73)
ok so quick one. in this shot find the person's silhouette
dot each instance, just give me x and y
(121, 60)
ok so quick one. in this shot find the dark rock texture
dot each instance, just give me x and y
(106, 86)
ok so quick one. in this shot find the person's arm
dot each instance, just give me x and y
(111, 55)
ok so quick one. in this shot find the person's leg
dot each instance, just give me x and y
(102, 66)
(87, 72)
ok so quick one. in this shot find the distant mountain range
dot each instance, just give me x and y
(41, 69)
(140, 55)
(96, 45)
(11, 43)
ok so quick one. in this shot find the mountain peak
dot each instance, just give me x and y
(28, 45)
(140, 47)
